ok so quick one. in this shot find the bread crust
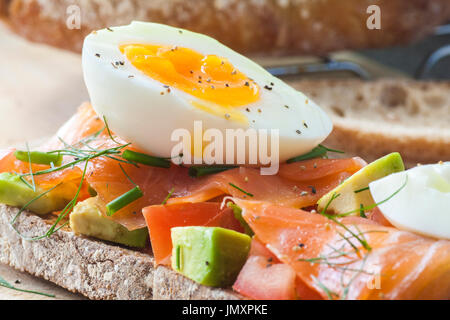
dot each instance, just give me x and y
(265, 27)
(169, 285)
(373, 118)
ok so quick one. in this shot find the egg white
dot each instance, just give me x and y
(137, 111)
(422, 205)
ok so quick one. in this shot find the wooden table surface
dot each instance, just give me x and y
(40, 87)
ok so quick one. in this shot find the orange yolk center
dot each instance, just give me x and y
(207, 77)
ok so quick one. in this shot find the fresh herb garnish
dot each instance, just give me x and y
(83, 156)
(39, 157)
(241, 190)
(318, 152)
(145, 159)
(32, 201)
(6, 284)
(178, 257)
(109, 131)
(361, 190)
(31, 168)
(80, 155)
(168, 196)
(199, 171)
(124, 199)
(370, 207)
(53, 228)
(361, 211)
(330, 294)
(346, 265)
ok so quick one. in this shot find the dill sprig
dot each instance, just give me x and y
(372, 206)
(109, 131)
(81, 156)
(31, 167)
(330, 294)
(54, 227)
(361, 190)
(6, 284)
(345, 266)
(32, 201)
(335, 220)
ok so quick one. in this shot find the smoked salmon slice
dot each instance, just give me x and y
(330, 256)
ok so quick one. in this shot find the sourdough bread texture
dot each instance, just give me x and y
(93, 268)
(372, 119)
(169, 285)
(269, 27)
(96, 269)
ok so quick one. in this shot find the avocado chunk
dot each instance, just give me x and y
(16, 193)
(353, 192)
(211, 256)
(87, 219)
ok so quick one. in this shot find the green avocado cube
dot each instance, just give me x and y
(354, 193)
(87, 219)
(211, 256)
(16, 193)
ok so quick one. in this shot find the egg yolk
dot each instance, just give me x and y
(207, 77)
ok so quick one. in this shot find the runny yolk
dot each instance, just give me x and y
(207, 77)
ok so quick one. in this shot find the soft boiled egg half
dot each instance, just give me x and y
(150, 79)
(423, 203)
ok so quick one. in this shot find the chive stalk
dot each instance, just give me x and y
(145, 159)
(240, 189)
(123, 200)
(318, 152)
(39, 157)
(200, 171)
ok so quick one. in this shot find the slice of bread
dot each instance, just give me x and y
(261, 27)
(94, 268)
(374, 118)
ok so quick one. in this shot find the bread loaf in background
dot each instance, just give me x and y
(262, 27)
(374, 118)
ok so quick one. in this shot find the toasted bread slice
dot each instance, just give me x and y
(374, 118)
(94, 268)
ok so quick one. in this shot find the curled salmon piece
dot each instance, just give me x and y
(308, 170)
(352, 258)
